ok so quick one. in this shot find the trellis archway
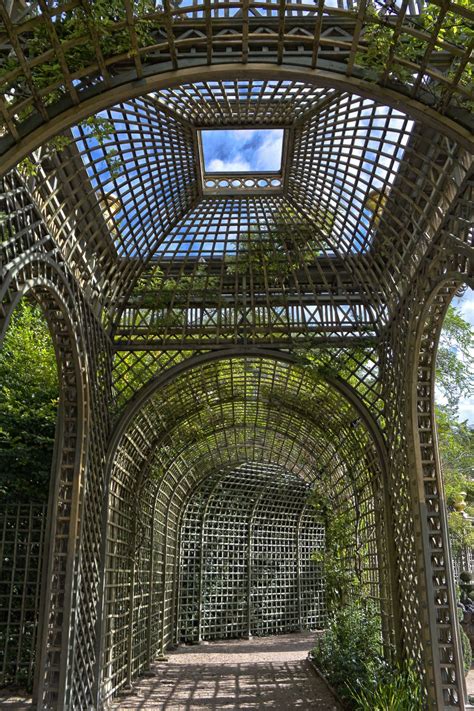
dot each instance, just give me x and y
(197, 422)
(247, 538)
(31, 265)
(375, 205)
(433, 516)
(40, 280)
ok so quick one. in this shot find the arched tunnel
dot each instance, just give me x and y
(246, 354)
(213, 508)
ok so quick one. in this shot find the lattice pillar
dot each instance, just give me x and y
(439, 579)
(31, 264)
(430, 628)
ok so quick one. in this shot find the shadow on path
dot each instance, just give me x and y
(252, 675)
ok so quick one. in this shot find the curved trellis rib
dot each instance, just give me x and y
(204, 421)
(70, 50)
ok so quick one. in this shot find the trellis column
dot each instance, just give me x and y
(441, 607)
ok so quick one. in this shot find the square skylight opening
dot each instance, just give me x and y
(242, 159)
(246, 150)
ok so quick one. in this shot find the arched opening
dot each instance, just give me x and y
(256, 425)
(266, 581)
(47, 452)
(29, 394)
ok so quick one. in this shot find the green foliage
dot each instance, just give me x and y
(133, 369)
(100, 130)
(456, 442)
(339, 559)
(410, 46)
(455, 379)
(75, 27)
(466, 651)
(455, 359)
(461, 532)
(156, 290)
(285, 246)
(349, 653)
(378, 39)
(397, 689)
(30, 168)
(350, 656)
(171, 295)
(29, 391)
(95, 128)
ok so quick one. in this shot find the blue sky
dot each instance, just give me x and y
(367, 156)
(250, 150)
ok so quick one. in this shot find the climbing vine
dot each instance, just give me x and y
(403, 53)
(285, 246)
(81, 31)
(340, 559)
(96, 129)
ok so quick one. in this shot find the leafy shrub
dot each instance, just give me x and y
(465, 642)
(397, 690)
(350, 657)
(349, 654)
(29, 389)
(466, 651)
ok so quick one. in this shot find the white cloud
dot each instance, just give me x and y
(243, 134)
(269, 152)
(466, 410)
(466, 305)
(222, 166)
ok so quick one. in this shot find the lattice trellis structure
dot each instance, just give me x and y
(262, 413)
(245, 562)
(32, 264)
(207, 323)
(21, 557)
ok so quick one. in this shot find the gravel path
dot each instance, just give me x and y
(15, 701)
(258, 674)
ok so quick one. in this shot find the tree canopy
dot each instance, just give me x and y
(29, 390)
(455, 380)
(455, 362)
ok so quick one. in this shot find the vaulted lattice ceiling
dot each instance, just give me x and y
(245, 409)
(365, 180)
(362, 183)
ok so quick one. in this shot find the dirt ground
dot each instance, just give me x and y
(255, 675)
(14, 701)
(258, 674)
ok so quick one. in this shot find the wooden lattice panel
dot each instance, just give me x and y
(93, 55)
(22, 529)
(249, 522)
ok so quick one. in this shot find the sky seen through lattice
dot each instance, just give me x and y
(246, 150)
